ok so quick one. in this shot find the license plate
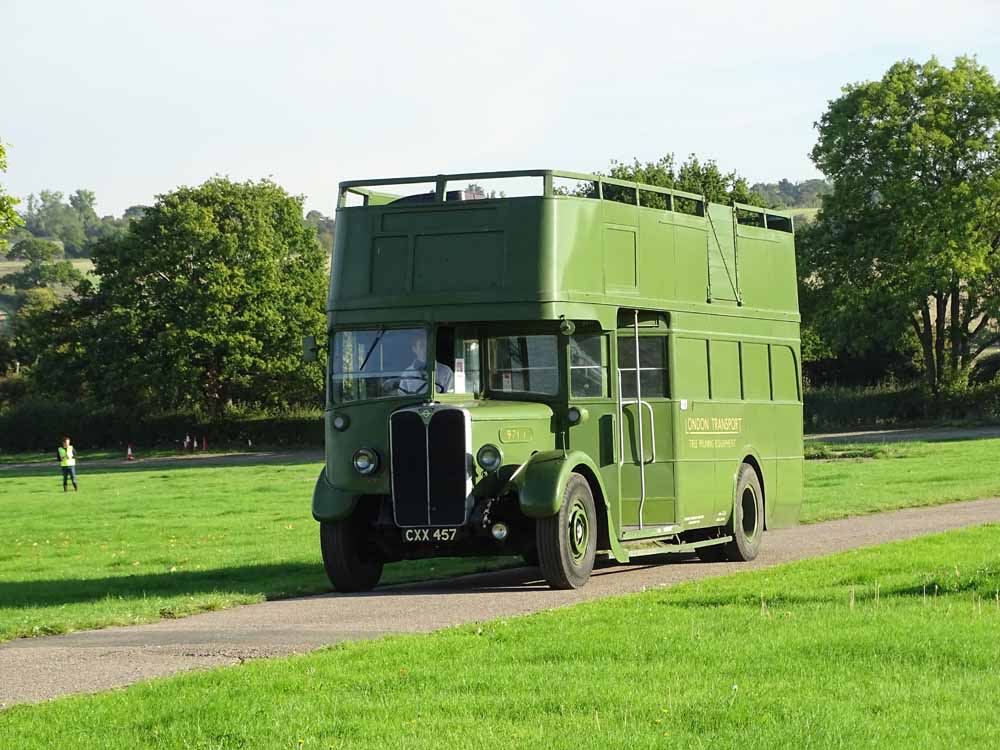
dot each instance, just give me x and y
(429, 535)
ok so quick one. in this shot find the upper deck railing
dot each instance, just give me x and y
(591, 186)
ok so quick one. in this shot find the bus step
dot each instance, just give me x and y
(663, 548)
(633, 533)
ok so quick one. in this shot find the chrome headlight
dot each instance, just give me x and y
(490, 457)
(366, 461)
(340, 422)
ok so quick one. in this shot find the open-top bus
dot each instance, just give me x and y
(555, 365)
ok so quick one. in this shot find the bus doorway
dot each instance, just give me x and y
(645, 421)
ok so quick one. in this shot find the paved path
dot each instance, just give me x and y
(930, 434)
(36, 669)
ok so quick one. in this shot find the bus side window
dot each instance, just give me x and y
(588, 366)
(784, 374)
(725, 366)
(756, 372)
(691, 376)
(652, 366)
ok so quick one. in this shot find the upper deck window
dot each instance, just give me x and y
(493, 188)
(569, 186)
(619, 193)
(383, 363)
(525, 364)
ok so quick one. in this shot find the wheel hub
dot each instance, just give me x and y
(579, 531)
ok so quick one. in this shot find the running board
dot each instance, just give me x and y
(662, 548)
(650, 532)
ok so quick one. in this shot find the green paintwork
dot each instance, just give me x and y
(330, 503)
(541, 483)
(719, 287)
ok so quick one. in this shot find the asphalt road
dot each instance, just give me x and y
(36, 669)
(929, 434)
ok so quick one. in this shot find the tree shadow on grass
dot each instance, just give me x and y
(271, 581)
(278, 581)
(864, 591)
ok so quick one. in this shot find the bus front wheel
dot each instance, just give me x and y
(567, 541)
(351, 562)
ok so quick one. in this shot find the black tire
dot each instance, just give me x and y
(352, 564)
(713, 553)
(567, 541)
(530, 556)
(746, 524)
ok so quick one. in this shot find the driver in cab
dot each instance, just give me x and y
(413, 380)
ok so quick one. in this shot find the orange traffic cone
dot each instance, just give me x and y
(128, 455)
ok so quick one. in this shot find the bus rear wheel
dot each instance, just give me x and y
(351, 562)
(746, 523)
(567, 541)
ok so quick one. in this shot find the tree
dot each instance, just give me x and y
(9, 218)
(910, 234)
(84, 203)
(692, 176)
(324, 229)
(42, 268)
(201, 302)
(49, 216)
(787, 194)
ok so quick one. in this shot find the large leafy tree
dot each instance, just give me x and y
(910, 234)
(200, 304)
(9, 218)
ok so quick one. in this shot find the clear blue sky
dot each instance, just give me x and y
(131, 99)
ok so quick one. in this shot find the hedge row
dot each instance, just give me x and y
(40, 425)
(34, 426)
(835, 408)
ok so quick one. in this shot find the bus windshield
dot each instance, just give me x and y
(525, 364)
(378, 363)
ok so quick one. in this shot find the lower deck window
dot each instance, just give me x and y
(527, 364)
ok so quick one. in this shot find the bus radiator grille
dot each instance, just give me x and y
(438, 448)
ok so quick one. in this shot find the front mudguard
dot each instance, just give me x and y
(541, 482)
(330, 503)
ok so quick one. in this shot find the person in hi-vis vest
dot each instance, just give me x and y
(67, 460)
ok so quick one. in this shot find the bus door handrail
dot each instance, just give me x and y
(622, 403)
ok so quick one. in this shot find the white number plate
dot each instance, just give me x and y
(429, 535)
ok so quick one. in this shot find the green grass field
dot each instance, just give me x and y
(83, 265)
(897, 475)
(138, 544)
(889, 647)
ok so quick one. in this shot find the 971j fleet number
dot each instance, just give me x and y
(429, 535)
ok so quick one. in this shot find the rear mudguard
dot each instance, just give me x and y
(329, 503)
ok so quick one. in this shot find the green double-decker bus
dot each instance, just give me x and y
(556, 365)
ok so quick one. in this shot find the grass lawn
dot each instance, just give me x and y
(889, 647)
(867, 478)
(138, 544)
(135, 545)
